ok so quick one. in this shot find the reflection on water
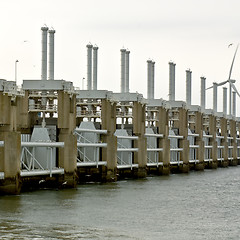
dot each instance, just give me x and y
(16, 230)
(199, 205)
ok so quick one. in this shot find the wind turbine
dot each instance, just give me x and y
(231, 83)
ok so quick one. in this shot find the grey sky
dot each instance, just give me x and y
(194, 34)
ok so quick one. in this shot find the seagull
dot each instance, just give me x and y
(230, 45)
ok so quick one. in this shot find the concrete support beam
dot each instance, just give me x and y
(233, 131)
(109, 154)
(66, 126)
(68, 157)
(140, 157)
(213, 142)
(164, 142)
(10, 162)
(182, 125)
(199, 140)
(224, 142)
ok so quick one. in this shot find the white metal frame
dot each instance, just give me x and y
(177, 150)
(30, 166)
(121, 163)
(86, 161)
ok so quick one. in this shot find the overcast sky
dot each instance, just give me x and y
(194, 34)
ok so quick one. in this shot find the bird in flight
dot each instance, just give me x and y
(230, 44)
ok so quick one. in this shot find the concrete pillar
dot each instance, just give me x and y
(224, 141)
(109, 154)
(140, 157)
(199, 140)
(66, 126)
(11, 152)
(212, 141)
(233, 131)
(10, 162)
(68, 157)
(162, 125)
(182, 125)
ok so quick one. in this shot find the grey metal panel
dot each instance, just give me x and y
(208, 112)
(129, 97)
(195, 108)
(178, 104)
(92, 94)
(45, 84)
(156, 103)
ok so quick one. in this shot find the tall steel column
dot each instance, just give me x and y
(123, 68)
(127, 72)
(224, 100)
(51, 55)
(234, 104)
(172, 81)
(95, 67)
(149, 79)
(203, 92)
(215, 97)
(153, 79)
(44, 53)
(89, 66)
(188, 86)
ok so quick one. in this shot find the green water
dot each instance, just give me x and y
(198, 205)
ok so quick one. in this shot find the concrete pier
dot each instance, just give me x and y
(11, 150)
(109, 154)
(195, 122)
(66, 126)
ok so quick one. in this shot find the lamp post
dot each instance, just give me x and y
(16, 70)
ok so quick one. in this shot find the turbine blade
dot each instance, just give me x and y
(222, 83)
(234, 88)
(209, 88)
(230, 73)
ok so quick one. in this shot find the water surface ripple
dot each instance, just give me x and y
(198, 205)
